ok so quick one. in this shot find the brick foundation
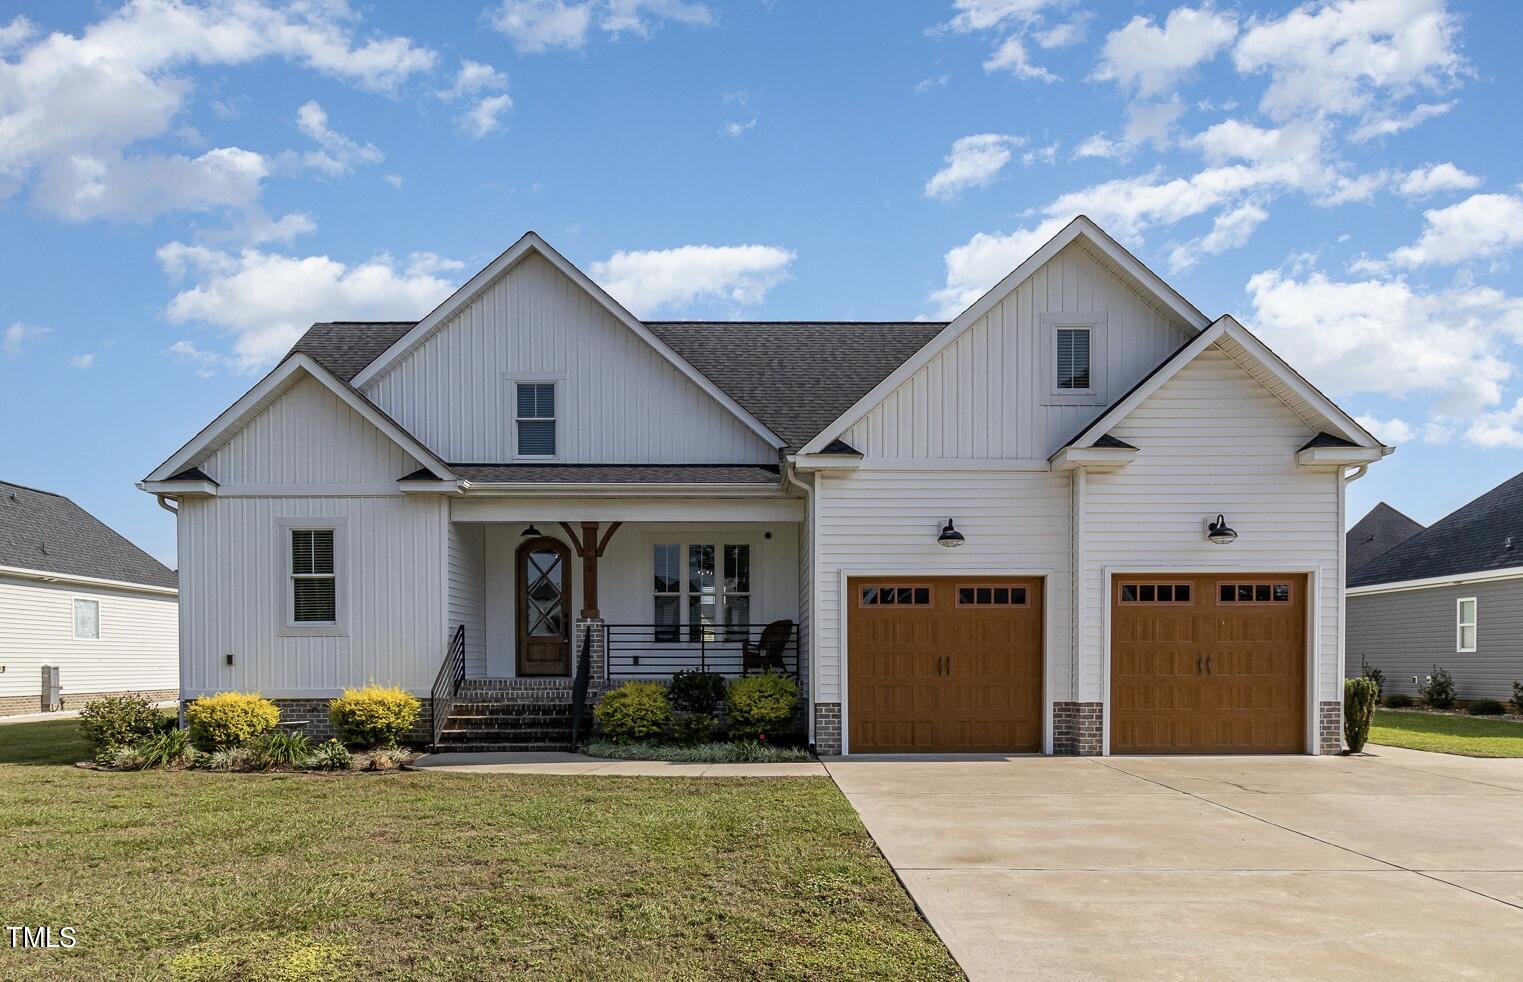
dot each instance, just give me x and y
(597, 648)
(20, 705)
(827, 728)
(1330, 728)
(1078, 728)
(313, 714)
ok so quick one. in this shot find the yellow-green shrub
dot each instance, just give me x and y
(229, 719)
(374, 716)
(761, 704)
(634, 711)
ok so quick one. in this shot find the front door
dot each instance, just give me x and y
(544, 629)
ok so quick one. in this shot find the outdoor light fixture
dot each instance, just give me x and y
(1220, 532)
(530, 530)
(950, 537)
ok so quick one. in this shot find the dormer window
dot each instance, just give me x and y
(1073, 358)
(535, 419)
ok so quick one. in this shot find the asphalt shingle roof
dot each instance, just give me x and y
(1483, 535)
(346, 347)
(1382, 529)
(43, 531)
(619, 473)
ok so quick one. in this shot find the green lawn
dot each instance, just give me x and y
(441, 876)
(1470, 736)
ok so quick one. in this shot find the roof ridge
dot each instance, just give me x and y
(847, 323)
(28, 487)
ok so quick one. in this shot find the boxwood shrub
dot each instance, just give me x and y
(761, 704)
(1398, 700)
(1485, 707)
(229, 719)
(634, 711)
(374, 716)
(119, 721)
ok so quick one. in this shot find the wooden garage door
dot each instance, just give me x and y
(950, 665)
(1208, 664)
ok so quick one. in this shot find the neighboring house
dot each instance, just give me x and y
(1449, 595)
(531, 465)
(1375, 533)
(78, 597)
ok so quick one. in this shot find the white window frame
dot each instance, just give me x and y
(1460, 624)
(285, 615)
(74, 618)
(684, 595)
(514, 381)
(1095, 394)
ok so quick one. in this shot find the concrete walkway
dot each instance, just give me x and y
(563, 763)
(1400, 864)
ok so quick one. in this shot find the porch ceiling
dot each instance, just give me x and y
(705, 474)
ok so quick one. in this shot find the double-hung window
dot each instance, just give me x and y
(1073, 359)
(86, 620)
(715, 581)
(1465, 617)
(314, 578)
(534, 419)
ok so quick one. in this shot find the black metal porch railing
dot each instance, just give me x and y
(663, 650)
(447, 683)
(579, 687)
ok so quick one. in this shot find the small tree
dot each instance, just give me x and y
(1438, 691)
(1517, 697)
(1359, 699)
(1374, 675)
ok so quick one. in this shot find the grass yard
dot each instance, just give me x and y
(441, 876)
(1470, 736)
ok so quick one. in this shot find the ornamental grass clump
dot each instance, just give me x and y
(229, 719)
(633, 712)
(1360, 697)
(374, 716)
(761, 704)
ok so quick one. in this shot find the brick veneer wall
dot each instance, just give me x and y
(827, 728)
(597, 647)
(1330, 727)
(1078, 728)
(18, 705)
(314, 714)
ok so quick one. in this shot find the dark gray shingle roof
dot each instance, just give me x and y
(1382, 529)
(619, 473)
(48, 532)
(346, 347)
(1472, 539)
(1325, 439)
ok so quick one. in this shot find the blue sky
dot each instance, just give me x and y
(183, 187)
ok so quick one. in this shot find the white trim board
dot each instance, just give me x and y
(1432, 582)
(531, 242)
(69, 579)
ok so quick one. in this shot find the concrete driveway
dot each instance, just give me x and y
(1396, 865)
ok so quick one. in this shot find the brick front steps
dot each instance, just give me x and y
(507, 715)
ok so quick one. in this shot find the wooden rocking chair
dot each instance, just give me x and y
(766, 655)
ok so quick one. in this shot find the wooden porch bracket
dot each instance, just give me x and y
(591, 548)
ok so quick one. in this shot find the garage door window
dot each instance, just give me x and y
(1253, 593)
(895, 596)
(991, 596)
(1155, 593)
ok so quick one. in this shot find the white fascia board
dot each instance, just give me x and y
(1339, 456)
(825, 462)
(47, 576)
(1081, 226)
(531, 242)
(1093, 458)
(1428, 583)
(252, 401)
(179, 488)
(587, 490)
(430, 487)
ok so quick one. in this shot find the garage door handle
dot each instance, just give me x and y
(1208, 664)
(1200, 664)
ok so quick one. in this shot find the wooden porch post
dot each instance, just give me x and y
(591, 549)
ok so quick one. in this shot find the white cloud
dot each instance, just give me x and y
(981, 15)
(1345, 56)
(1012, 20)
(1041, 155)
(1231, 230)
(259, 228)
(539, 25)
(1481, 226)
(736, 129)
(395, 180)
(975, 161)
(16, 337)
(1391, 432)
(674, 278)
(1152, 122)
(339, 154)
(16, 33)
(641, 16)
(475, 77)
(204, 363)
(1376, 126)
(982, 261)
(483, 118)
(1150, 59)
(1501, 428)
(71, 106)
(86, 360)
(1011, 56)
(474, 81)
(1064, 34)
(266, 300)
(1440, 177)
(929, 84)
(1100, 145)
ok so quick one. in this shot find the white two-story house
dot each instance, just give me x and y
(1082, 517)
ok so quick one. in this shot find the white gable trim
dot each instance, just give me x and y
(269, 388)
(531, 242)
(1080, 227)
(1345, 425)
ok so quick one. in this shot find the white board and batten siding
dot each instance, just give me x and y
(987, 395)
(468, 593)
(137, 650)
(618, 400)
(1213, 440)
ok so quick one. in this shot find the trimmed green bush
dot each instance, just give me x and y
(1398, 700)
(634, 711)
(761, 704)
(375, 716)
(331, 756)
(1374, 675)
(696, 692)
(118, 721)
(1485, 707)
(1438, 691)
(689, 729)
(229, 719)
(1517, 697)
(1360, 696)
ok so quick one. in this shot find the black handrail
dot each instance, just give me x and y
(447, 683)
(662, 650)
(579, 687)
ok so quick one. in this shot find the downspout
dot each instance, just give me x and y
(161, 499)
(791, 477)
(1346, 478)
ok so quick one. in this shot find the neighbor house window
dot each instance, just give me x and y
(535, 419)
(1465, 618)
(314, 586)
(1073, 358)
(86, 620)
(716, 587)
